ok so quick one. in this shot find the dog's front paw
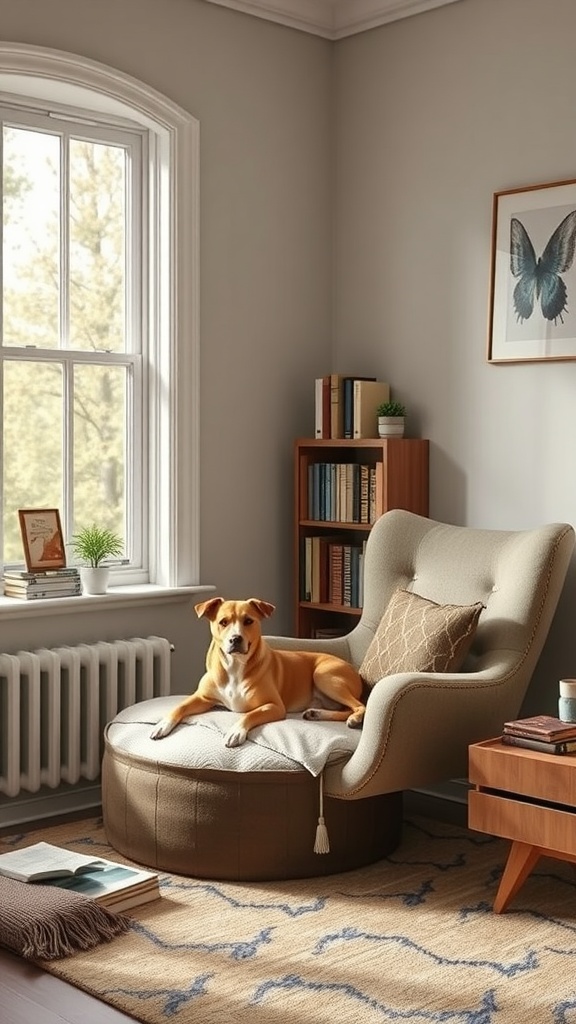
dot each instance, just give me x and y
(235, 737)
(162, 728)
(312, 714)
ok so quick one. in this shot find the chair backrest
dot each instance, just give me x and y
(517, 575)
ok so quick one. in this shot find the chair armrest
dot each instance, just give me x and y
(418, 728)
(335, 645)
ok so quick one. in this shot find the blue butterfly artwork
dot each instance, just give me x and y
(539, 279)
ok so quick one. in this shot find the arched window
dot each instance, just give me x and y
(99, 327)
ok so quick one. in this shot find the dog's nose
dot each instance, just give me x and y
(235, 642)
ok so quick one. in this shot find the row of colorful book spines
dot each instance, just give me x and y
(342, 492)
(332, 573)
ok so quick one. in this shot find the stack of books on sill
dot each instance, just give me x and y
(545, 733)
(32, 586)
(116, 886)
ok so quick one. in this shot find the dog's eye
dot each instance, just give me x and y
(248, 621)
(223, 622)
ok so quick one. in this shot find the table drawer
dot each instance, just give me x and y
(518, 771)
(525, 822)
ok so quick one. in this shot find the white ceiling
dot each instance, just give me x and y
(332, 19)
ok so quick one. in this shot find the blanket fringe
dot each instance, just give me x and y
(322, 841)
(67, 933)
(47, 922)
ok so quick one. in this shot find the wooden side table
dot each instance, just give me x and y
(527, 797)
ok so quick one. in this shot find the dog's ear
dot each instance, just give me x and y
(209, 608)
(263, 608)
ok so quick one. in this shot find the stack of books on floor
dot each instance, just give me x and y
(31, 586)
(116, 886)
(541, 732)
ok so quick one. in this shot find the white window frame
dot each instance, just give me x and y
(37, 74)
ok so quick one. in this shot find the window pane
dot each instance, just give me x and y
(99, 447)
(97, 246)
(31, 245)
(32, 456)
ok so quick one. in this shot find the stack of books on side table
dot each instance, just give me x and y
(115, 886)
(541, 732)
(32, 586)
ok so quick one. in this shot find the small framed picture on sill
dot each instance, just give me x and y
(42, 538)
(533, 274)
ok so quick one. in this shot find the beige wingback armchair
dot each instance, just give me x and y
(418, 725)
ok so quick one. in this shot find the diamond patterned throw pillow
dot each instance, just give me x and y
(417, 635)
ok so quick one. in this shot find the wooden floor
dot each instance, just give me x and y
(31, 996)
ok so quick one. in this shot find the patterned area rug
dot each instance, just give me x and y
(410, 939)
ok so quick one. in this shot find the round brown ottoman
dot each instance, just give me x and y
(189, 805)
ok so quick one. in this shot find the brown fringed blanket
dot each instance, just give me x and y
(44, 922)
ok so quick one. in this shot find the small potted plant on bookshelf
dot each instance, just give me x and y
(92, 545)
(391, 419)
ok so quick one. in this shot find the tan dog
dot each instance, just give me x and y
(243, 673)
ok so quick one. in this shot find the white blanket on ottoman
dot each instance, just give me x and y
(276, 746)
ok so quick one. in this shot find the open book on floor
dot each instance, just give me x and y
(116, 886)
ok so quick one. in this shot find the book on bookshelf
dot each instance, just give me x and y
(306, 594)
(543, 746)
(542, 727)
(118, 887)
(322, 399)
(335, 569)
(368, 394)
(348, 399)
(336, 405)
(364, 494)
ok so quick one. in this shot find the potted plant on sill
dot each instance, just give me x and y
(391, 419)
(92, 545)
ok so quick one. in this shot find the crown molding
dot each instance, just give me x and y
(332, 19)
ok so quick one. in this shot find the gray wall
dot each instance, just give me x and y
(434, 114)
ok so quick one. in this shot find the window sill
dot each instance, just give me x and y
(125, 597)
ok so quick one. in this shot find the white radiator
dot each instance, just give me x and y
(54, 704)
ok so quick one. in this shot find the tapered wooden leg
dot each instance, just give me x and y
(521, 860)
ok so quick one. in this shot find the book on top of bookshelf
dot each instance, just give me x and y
(345, 406)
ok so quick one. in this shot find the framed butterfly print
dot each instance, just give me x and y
(533, 274)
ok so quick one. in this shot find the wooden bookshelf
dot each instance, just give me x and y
(395, 475)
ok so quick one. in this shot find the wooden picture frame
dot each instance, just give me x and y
(42, 538)
(533, 274)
